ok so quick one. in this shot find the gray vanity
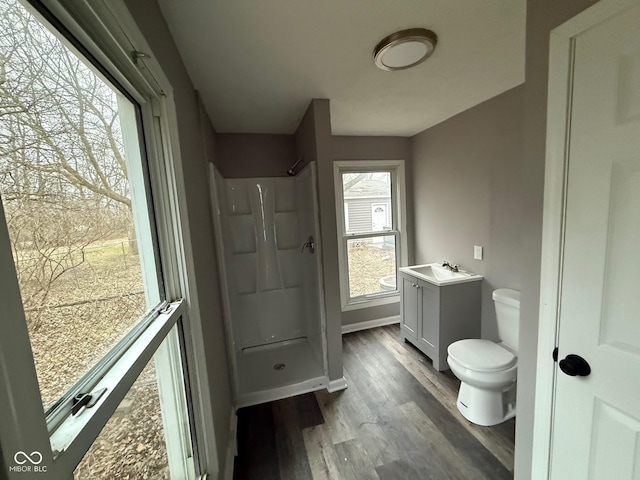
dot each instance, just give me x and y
(438, 307)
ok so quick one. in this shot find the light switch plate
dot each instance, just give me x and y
(477, 252)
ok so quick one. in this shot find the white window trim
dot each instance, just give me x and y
(346, 214)
(399, 207)
(107, 30)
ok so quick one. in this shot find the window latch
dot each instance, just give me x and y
(139, 55)
(87, 400)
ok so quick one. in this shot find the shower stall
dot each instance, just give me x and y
(269, 258)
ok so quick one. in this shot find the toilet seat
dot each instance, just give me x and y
(481, 355)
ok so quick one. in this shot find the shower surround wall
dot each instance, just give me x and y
(274, 309)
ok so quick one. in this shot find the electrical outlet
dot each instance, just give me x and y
(477, 252)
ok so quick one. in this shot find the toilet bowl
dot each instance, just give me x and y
(488, 370)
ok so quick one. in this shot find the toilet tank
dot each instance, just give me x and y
(507, 302)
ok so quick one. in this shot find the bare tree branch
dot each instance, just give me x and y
(63, 170)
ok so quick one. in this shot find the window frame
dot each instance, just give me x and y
(106, 31)
(398, 228)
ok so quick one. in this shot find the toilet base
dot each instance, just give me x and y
(486, 407)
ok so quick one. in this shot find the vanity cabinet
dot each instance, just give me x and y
(409, 306)
(433, 317)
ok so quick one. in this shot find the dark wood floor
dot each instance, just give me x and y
(396, 420)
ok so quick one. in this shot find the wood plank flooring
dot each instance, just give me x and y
(396, 420)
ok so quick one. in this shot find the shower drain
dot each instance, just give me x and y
(279, 366)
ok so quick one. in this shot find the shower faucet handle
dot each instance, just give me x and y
(310, 244)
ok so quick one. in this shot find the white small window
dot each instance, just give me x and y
(371, 230)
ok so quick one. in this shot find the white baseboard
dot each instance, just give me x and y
(232, 445)
(336, 385)
(378, 322)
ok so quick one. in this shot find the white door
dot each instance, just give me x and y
(596, 419)
(379, 217)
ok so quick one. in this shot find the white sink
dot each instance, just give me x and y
(438, 275)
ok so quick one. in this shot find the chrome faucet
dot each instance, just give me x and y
(453, 268)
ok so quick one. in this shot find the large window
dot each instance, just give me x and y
(93, 351)
(71, 179)
(370, 214)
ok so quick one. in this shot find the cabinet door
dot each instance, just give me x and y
(409, 306)
(429, 318)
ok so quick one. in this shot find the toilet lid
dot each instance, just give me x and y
(481, 355)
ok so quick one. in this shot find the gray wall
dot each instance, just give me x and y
(313, 142)
(509, 199)
(194, 149)
(542, 17)
(466, 174)
(376, 148)
(371, 148)
(255, 155)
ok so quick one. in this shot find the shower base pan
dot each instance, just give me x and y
(276, 371)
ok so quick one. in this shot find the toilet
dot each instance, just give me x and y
(488, 370)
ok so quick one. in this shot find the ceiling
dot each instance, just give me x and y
(258, 63)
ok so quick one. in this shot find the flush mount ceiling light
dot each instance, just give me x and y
(405, 49)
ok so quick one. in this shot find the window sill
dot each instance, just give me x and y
(368, 302)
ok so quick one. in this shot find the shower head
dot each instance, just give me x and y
(292, 171)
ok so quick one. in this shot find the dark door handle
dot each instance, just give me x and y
(575, 365)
